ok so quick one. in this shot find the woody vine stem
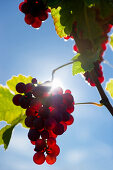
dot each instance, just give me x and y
(104, 99)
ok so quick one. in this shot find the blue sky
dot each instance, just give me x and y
(88, 143)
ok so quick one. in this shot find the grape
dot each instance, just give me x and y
(29, 87)
(35, 104)
(53, 150)
(25, 8)
(29, 121)
(70, 121)
(45, 134)
(39, 158)
(20, 87)
(50, 123)
(38, 123)
(44, 112)
(75, 48)
(29, 19)
(24, 102)
(33, 142)
(68, 99)
(37, 23)
(30, 111)
(34, 81)
(43, 15)
(56, 115)
(51, 141)
(50, 159)
(68, 91)
(33, 134)
(40, 145)
(51, 134)
(70, 108)
(59, 129)
(67, 37)
(20, 6)
(16, 99)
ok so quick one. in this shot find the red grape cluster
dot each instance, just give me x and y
(106, 29)
(35, 12)
(48, 114)
(98, 69)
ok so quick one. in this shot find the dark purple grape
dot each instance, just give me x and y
(43, 15)
(16, 99)
(44, 112)
(30, 111)
(29, 87)
(25, 8)
(29, 121)
(24, 102)
(20, 87)
(33, 134)
(50, 123)
(35, 104)
(56, 114)
(38, 123)
(59, 129)
(34, 81)
(45, 134)
(40, 145)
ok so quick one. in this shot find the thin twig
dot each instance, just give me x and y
(94, 103)
(53, 72)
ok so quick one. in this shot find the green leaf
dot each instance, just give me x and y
(109, 87)
(111, 41)
(83, 62)
(77, 65)
(58, 27)
(6, 132)
(8, 111)
(16, 79)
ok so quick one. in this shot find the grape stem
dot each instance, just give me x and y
(94, 103)
(53, 72)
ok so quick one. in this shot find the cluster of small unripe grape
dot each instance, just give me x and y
(35, 12)
(48, 114)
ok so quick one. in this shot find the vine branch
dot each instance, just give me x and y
(104, 98)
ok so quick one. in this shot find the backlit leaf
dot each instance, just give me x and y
(109, 87)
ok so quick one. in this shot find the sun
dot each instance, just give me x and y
(56, 83)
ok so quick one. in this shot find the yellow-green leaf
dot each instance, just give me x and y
(111, 41)
(8, 111)
(109, 87)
